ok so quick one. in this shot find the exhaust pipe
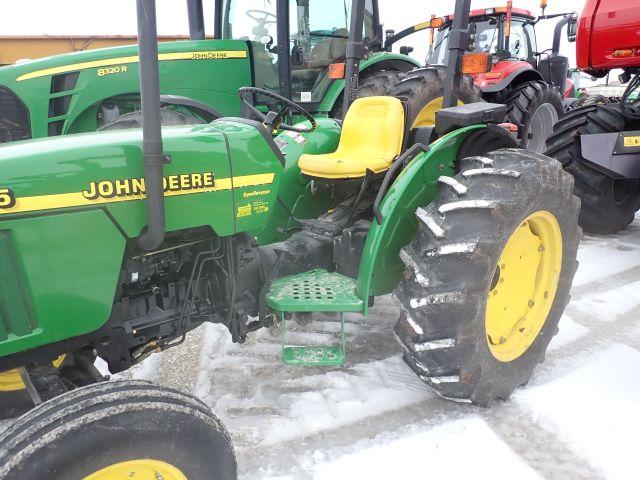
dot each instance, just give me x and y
(153, 234)
(196, 19)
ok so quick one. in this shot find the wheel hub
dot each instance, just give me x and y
(142, 469)
(541, 127)
(10, 381)
(524, 286)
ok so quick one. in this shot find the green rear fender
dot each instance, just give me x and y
(380, 267)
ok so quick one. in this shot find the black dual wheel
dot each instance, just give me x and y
(534, 107)
(120, 429)
(488, 275)
(608, 204)
(423, 88)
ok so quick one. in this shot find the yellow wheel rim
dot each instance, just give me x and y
(10, 381)
(427, 116)
(524, 286)
(142, 469)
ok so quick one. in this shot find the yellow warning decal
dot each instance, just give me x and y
(197, 55)
(124, 190)
(632, 141)
(244, 211)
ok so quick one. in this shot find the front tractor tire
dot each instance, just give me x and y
(608, 204)
(423, 89)
(117, 430)
(488, 275)
(534, 107)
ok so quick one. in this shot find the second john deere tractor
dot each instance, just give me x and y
(116, 244)
(281, 46)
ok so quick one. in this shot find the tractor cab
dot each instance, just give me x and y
(294, 42)
(508, 35)
(491, 27)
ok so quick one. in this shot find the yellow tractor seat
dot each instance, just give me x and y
(371, 139)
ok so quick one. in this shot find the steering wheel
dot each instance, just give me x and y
(253, 15)
(273, 120)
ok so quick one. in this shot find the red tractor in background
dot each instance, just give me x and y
(600, 144)
(533, 84)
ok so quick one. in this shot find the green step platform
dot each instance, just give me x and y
(314, 291)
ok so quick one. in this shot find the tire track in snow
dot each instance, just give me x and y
(541, 449)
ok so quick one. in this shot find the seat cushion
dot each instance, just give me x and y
(371, 139)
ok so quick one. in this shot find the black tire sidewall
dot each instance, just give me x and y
(182, 439)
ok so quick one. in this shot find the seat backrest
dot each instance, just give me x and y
(373, 127)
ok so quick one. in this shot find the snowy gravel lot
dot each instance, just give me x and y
(578, 418)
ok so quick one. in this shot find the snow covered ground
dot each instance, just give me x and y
(578, 418)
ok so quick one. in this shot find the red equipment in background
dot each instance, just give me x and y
(600, 144)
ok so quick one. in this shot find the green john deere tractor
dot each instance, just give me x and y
(284, 46)
(116, 244)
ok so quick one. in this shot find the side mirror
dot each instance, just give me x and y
(572, 29)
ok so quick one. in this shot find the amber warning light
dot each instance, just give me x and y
(337, 71)
(476, 63)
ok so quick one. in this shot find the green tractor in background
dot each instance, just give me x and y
(283, 46)
(116, 244)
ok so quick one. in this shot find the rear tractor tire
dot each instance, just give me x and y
(488, 275)
(423, 89)
(117, 430)
(608, 204)
(371, 85)
(534, 107)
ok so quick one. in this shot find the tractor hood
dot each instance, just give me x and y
(73, 93)
(101, 62)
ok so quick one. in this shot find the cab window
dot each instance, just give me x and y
(319, 32)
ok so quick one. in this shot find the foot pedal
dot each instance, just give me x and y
(314, 356)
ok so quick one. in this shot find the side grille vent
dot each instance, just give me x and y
(14, 118)
(16, 315)
(64, 83)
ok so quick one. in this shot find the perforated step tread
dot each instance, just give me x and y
(314, 291)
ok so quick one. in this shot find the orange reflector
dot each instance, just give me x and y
(437, 22)
(543, 4)
(475, 63)
(493, 75)
(623, 52)
(337, 71)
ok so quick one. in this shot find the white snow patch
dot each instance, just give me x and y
(609, 305)
(465, 448)
(569, 331)
(602, 256)
(595, 409)
(344, 398)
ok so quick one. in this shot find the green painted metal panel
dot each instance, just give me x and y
(381, 268)
(202, 70)
(16, 315)
(72, 262)
(296, 193)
